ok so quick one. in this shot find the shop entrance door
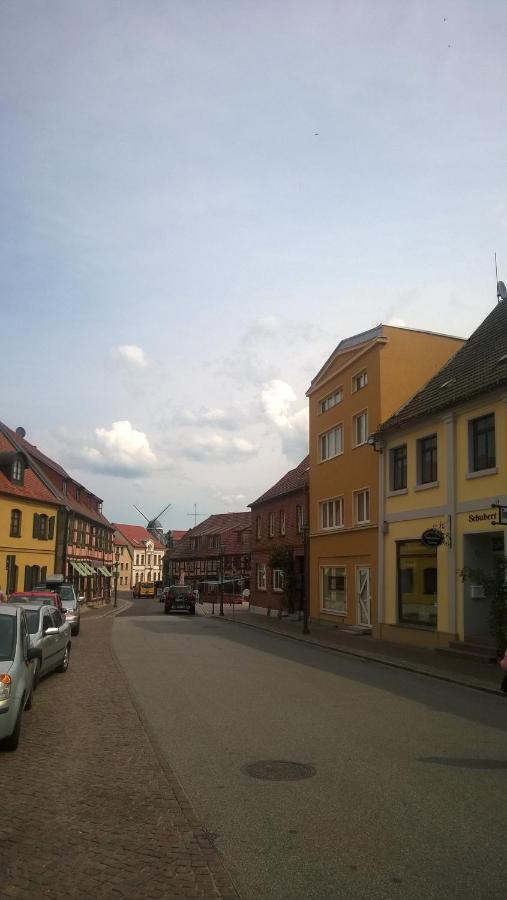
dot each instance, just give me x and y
(363, 588)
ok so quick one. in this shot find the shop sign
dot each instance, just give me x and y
(483, 517)
(432, 537)
(502, 514)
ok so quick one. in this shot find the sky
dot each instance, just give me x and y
(200, 198)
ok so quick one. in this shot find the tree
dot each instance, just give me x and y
(168, 539)
(494, 585)
(283, 558)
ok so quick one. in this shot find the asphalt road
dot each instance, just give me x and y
(408, 796)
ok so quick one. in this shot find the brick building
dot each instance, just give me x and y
(277, 521)
(215, 552)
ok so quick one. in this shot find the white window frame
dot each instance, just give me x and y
(355, 424)
(337, 572)
(359, 381)
(331, 400)
(283, 522)
(261, 576)
(271, 524)
(324, 440)
(278, 581)
(357, 494)
(331, 505)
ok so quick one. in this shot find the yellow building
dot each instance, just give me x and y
(443, 469)
(123, 556)
(28, 521)
(362, 383)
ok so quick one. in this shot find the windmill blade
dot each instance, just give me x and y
(139, 511)
(163, 511)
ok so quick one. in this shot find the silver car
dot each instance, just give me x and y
(50, 633)
(16, 673)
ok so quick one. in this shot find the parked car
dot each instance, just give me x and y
(51, 634)
(179, 597)
(143, 589)
(48, 598)
(16, 673)
(70, 603)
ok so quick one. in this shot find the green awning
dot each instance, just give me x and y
(105, 571)
(78, 567)
(87, 569)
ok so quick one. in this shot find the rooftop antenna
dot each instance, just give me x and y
(501, 290)
(195, 514)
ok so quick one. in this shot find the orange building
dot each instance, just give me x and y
(366, 378)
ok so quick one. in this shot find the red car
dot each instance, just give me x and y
(48, 598)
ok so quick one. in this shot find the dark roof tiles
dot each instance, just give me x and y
(294, 480)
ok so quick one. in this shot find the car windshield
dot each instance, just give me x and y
(31, 598)
(32, 617)
(7, 636)
(66, 593)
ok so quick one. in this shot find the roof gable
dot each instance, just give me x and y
(294, 480)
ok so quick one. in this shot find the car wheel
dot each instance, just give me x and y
(29, 702)
(11, 743)
(192, 611)
(36, 673)
(75, 632)
(64, 665)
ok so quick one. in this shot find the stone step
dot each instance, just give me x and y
(474, 653)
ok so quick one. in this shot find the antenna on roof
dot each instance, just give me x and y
(195, 514)
(501, 290)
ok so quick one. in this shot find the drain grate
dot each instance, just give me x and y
(278, 770)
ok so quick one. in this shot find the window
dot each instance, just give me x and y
(12, 573)
(427, 459)
(261, 577)
(17, 471)
(482, 443)
(417, 583)
(258, 528)
(271, 524)
(331, 443)
(398, 476)
(361, 428)
(360, 380)
(43, 527)
(15, 523)
(137, 559)
(282, 522)
(331, 400)
(277, 579)
(333, 585)
(362, 506)
(299, 519)
(126, 565)
(331, 513)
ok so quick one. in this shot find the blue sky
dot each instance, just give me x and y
(200, 199)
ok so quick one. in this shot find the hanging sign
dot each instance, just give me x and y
(432, 537)
(502, 514)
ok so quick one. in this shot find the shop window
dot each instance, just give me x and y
(333, 589)
(481, 439)
(417, 581)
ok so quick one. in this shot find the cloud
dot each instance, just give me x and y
(228, 419)
(265, 326)
(278, 398)
(120, 451)
(397, 322)
(218, 447)
(236, 502)
(131, 356)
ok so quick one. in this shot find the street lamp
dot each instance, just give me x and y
(306, 579)
(222, 567)
(116, 570)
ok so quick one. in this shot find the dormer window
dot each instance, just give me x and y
(17, 470)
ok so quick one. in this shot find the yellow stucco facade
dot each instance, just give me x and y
(430, 604)
(24, 551)
(364, 381)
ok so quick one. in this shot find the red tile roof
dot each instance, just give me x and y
(33, 488)
(178, 535)
(294, 480)
(34, 451)
(226, 525)
(137, 535)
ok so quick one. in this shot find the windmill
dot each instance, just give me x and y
(154, 525)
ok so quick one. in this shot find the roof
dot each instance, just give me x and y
(137, 535)
(480, 365)
(37, 459)
(227, 525)
(294, 480)
(33, 487)
(178, 535)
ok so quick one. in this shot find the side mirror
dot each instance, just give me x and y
(34, 653)
(81, 598)
(51, 630)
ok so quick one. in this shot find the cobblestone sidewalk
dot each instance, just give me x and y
(88, 808)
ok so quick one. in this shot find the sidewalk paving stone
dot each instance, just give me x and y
(89, 805)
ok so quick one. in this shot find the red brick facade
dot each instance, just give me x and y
(277, 521)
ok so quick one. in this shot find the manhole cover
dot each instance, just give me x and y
(278, 770)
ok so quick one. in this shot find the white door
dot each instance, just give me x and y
(363, 587)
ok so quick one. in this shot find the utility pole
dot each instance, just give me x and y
(195, 514)
(222, 566)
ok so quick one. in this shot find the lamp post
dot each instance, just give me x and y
(116, 569)
(306, 580)
(222, 567)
